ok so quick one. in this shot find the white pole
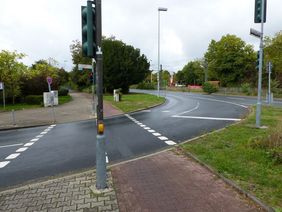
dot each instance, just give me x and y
(158, 75)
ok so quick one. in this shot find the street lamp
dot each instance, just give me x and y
(160, 9)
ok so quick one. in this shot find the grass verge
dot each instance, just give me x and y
(250, 157)
(22, 106)
(132, 102)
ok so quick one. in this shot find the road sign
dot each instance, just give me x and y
(255, 33)
(84, 66)
(49, 80)
(1, 85)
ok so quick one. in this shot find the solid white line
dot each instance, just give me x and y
(170, 143)
(35, 139)
(188, 111)
(216, 100)
(151, 131)
(43, 133)
(11, 145)
(29, 144)
(156, 134)
(21, 149)
(207, 118)
(163, 138)
(3, 164)
(12, 156)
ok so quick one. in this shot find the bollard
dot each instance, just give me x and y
(13, 117)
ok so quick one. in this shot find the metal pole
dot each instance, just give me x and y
(269, 82)
(258, 111)
(93, 89)
(4, 102)
(158, 75)
(101, 174)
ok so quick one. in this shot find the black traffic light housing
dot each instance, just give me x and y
(258, 11)
(88, 22)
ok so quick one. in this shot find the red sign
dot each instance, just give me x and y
(49, 80)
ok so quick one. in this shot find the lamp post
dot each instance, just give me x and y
(160, 9)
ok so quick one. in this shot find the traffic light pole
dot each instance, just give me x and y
(101, 173)
(258, 111)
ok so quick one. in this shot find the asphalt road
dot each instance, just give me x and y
(35, 153)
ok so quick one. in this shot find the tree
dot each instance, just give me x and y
(273, 53)
(231, 61)
(11, 71)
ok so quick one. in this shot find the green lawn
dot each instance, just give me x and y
(21, 106)
(251, 157)
(132, 102)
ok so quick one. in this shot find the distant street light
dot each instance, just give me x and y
(160, 9)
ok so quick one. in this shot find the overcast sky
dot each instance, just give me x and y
(45, 28)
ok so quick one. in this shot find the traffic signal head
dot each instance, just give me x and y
(88, 30)
(258, 11)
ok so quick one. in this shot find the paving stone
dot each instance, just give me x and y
(82, 206)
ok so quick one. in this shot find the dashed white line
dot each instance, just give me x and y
(151, 131)
(3, 164)
(188, 111)
(53, 125)
(143, 125)
(39, 136)
(147, 128)
(170, 143)
(21, 149)
(156, 134)
(43, 133)
(207, 118)
(29, 144)
(12, 156)
(35, 139)
(11, 145)
(163, 138)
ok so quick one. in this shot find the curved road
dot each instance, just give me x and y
(40, 152)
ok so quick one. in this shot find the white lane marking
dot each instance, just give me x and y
(139, 124)
(156, 134)
(39, 136)
(188, 111)
(143, 125)
(147, 128)
(165, 111)
(208, 118)
(163, 138)
(29, 144)
(53, 125)
(151, 131)
(146, 111)
(216, 100)
(43, 133)
(12, 156)
(107, 158)
(170, 143)
(35, 139)
(11, 145)
(3, 164)
(47, 130)
(22, 149)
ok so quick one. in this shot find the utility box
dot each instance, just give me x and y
(50, 98)
(117, 95)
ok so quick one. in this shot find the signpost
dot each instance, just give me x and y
(2, 88)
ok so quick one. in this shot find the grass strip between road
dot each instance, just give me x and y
(250, 157)
(135, 101)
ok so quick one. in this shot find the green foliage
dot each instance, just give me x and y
(231, 61)
(246, 88)
(34, 100)
(146, 86)
(63, 91)
(193, 74)
(209, 88)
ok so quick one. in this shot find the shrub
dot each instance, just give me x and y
(246, 88)
(63, 92)
(146, 86)
(209, 88)
(34, 99)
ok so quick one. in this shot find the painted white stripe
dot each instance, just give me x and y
(43, 133)
(188, 111)
(47, 130)
(163, 138)
(53, 125)
(107, 159)
(147, 128)
(140, 124)
(143, 125)
(207, 118)
(11, 145)
(35, 139)
(170, 143)
(12, 156)
(151, 131)
(39, 136)
(216, 100)
(3, 164)
(29, 144)
(22, 149)
(146, 111)
(165, 111)
(156, 134)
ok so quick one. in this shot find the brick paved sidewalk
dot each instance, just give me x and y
(71, 193)
(170, 182)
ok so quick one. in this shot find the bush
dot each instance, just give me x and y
(63, 92)
(146, 86)
(34, 99)
(209, 88)
(246, 88)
